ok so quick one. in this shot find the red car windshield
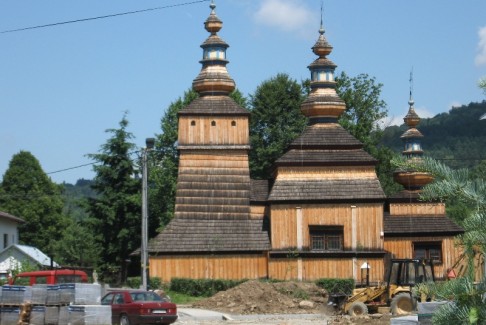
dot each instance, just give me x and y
(145, 296)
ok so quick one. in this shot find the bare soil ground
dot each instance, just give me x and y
(257, 297)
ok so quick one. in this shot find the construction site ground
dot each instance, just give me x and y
(259, 302)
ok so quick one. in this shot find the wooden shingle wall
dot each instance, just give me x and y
(213, 184)
(257, 211)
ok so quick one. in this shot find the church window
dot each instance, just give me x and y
(329, 238)
(428, 250)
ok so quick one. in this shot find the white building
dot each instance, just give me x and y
(16, 255)
(9, 231)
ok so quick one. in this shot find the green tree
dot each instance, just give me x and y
(364, 107)
(275, 122)
(482, 84)
(364, 111)
(27, 192)
(115, 214)
(164, 165)
(77, 247)
(467, 299)
(456, 137)
(75, 198)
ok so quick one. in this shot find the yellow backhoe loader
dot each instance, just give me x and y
(395, 292)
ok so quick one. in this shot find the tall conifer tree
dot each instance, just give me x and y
(115, 214)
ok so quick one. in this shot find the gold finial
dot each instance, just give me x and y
(411, 119)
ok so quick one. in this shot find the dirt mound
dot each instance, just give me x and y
(257, 297)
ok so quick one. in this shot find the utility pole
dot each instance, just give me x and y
(149, 142)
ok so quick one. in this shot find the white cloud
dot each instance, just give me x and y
(481, 56)
(454, 104)
(286, 15)
(423, 112)
(391, 120)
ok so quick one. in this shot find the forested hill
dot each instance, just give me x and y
(458, 137)
(74, 196)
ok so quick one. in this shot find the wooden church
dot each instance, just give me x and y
(323, 214)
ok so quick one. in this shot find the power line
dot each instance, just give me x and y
(70, 168)
(101, 17)
(88, 164)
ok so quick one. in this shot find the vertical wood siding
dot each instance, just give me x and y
(411, 209)
(369, 224)
(318, 268)
(200, 131)
(237, 267)
(402, 247)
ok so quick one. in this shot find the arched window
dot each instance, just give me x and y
(233, 123)
(213, 123)
(193, 123)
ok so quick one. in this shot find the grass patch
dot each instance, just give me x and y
(181, 298)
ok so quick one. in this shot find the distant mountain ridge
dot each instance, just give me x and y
(458, 137)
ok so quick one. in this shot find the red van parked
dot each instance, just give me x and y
(49, 277)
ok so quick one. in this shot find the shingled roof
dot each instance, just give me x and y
(353, 157)
(211, 235)
(213, 105)
(326, 144)
(259, 190)
(325, 136)
(420, 225)
(327, 190)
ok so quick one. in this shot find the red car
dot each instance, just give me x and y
(131, 307)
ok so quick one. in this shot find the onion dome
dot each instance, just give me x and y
(410, 179)
(213, 78)
(323, 103)
(411, 137)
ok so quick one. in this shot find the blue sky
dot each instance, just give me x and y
(61, 87)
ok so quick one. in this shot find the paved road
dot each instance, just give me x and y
(193, 316)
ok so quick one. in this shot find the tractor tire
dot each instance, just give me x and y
(358, 308)
(402, 304)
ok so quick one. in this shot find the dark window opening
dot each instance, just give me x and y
(328, 238)
(213, 123)
(193, 123)
(233, 123)
(429, 251)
